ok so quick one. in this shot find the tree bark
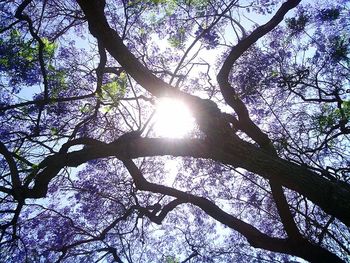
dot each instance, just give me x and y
(332, 197)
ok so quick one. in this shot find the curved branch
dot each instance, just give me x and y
(330, 196)
(99, 27)
(256, 238)
(24, 17)
(152, 215)
(228, 91)
(12, 165)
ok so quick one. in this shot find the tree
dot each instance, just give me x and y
(263, 176)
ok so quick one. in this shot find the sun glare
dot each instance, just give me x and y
(172, 119)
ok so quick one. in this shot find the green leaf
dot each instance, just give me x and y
(331, 116)
(86, 108)
(54, 131)
(174, 42)
(274, 73)
(58, 78)
(346, 109)
(106, 109)
(115, 90)
(4, 62)
(15, 34)
(49, 48)
(171, 259)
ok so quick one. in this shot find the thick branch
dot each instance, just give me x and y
(12, 165)
(256, 238)
(228, 91)
(330, 196)
(246, 124)
(259, 32)
(22, 16)
(99, 27)
(152, 215)
(284, 212)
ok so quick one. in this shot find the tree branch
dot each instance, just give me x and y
(12, 165)
(228, 91)
(330, 196)
(256, 238)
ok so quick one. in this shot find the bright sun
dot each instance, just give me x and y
(172, 119)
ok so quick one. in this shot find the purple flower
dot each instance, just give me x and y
(211, 38)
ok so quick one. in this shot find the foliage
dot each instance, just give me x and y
(264, 175)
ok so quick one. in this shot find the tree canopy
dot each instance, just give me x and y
(262, 174)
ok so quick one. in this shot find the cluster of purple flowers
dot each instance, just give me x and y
(328, 14)
(210, 38)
